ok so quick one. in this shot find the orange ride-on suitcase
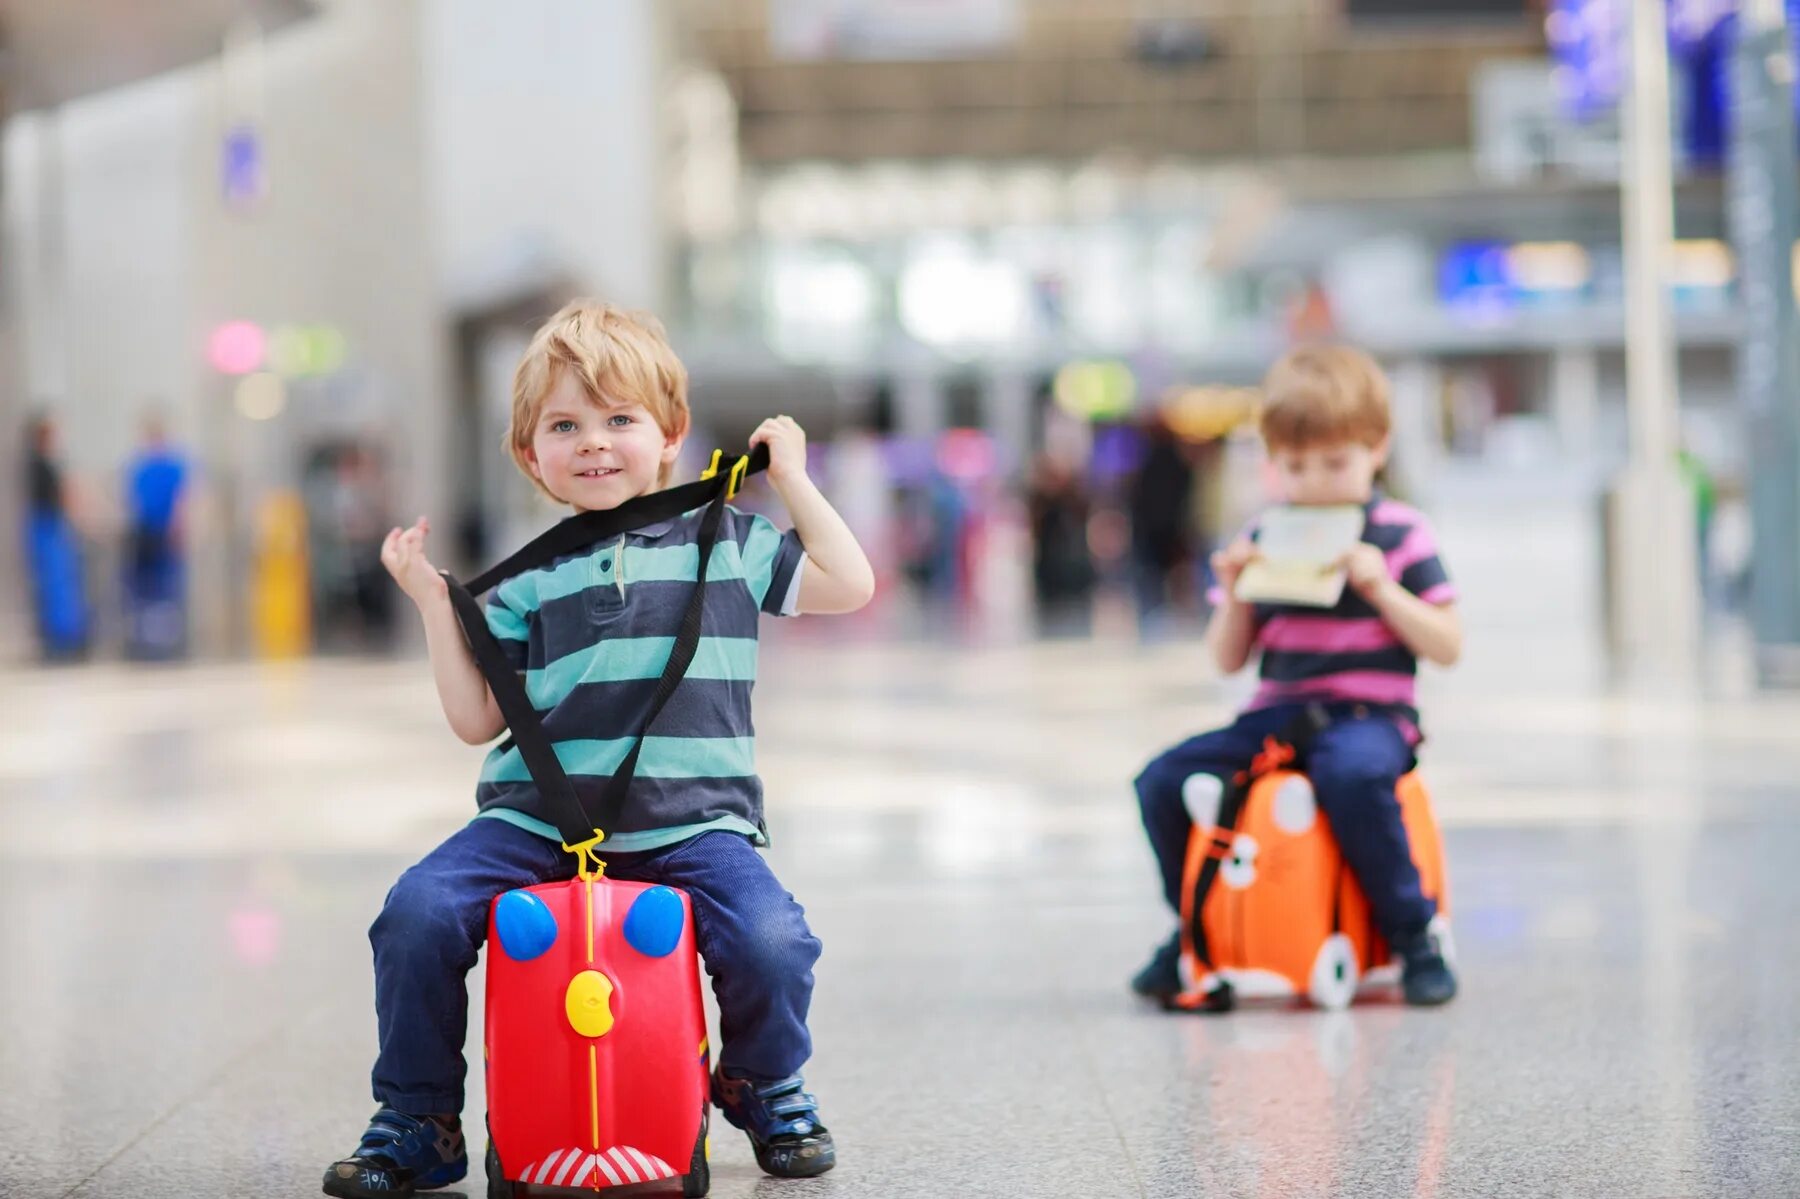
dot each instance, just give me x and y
(1269, 907)
(596, 1053)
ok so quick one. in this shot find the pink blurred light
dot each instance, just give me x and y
(237, 347)
(256, 935)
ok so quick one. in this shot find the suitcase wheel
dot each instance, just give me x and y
(498, 1186)
(698, 1180)
(1334, 974)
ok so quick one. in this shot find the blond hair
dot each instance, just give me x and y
(1321, 395)
(618, 357)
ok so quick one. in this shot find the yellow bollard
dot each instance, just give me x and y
(280, 607)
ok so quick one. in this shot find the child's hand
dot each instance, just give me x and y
(787, 448)
(403, 553)
(1229, 563)
(1366, 567)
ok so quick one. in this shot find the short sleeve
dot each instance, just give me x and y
(771, 560)
(1417, 566)
(511, 629)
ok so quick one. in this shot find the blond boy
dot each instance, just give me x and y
(600, 414)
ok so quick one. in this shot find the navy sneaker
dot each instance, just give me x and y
(1425, 977)
(400, 1154)
(1160, 979)
(782, 1121)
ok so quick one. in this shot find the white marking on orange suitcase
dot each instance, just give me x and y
(1257, 984)
(1200, 794)
(1239, 870)
(1295, 809)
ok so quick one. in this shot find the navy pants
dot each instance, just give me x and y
(751, 934)
(1354, 765)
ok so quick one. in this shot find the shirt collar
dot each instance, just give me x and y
(651, 532)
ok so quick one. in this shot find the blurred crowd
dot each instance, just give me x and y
(961, 535)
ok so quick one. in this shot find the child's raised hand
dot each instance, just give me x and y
(787, 448)
(403, 553)
(1229, 563)
(1366, 567)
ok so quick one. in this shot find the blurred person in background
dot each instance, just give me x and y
(1705, 489)
(156, 481)
(1062, 563)
(935, 515)
(346, 490)
(1159, 500)
(53, 549)
(1326, 423)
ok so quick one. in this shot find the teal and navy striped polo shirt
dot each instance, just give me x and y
(592, 632)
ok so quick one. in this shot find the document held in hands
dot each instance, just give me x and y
(1297, 548)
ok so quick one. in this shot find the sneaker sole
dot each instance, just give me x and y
(340, 1187)
(800, 1161)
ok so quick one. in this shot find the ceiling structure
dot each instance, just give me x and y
(59, 50)
(1070, 79)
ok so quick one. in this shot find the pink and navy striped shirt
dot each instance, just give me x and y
(1348, 654)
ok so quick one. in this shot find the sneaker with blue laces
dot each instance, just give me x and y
(782, 1121)
(400, 1154)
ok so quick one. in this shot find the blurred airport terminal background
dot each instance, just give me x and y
(1018, 267)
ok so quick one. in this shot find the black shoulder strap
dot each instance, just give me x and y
(572, 819)
(586, 528)
(1231, 810)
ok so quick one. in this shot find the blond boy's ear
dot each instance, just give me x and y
(672, 446)
(1379, 451)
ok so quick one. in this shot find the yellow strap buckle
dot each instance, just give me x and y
(587, 861)
(735, 482)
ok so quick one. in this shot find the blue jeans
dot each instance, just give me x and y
(1354, 765)
(751, 934)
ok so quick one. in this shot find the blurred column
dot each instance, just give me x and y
(919, 405)
(35, 345)
(1009, 417)
(1418, 437)
(1764, 222)
(15, 613)
(1575, 399)
(1656, 604)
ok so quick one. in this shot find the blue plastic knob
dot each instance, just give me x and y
(525, 926)
(653, 925)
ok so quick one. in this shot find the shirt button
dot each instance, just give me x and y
(605, 565)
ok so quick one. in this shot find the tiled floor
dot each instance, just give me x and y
(189, 859)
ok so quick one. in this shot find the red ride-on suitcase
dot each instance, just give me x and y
(597, 1060)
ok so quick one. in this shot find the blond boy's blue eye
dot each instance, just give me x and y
(621, 419)
(563, 426)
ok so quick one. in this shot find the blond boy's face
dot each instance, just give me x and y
(594, 456)
(1331, 473)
